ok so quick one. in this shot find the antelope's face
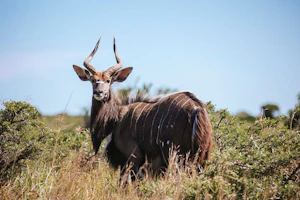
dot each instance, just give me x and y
(102, 81)
(101, 86)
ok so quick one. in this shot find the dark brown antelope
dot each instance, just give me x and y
(145, 129)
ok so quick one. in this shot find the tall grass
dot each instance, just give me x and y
(256, 161)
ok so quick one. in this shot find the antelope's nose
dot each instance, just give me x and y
(98, 93)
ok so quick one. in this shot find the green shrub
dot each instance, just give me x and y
(25, 138)
(22, 136)
(258, 160)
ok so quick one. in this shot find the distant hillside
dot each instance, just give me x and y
(66, 122)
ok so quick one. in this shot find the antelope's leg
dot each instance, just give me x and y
(114, 155)
(134, 162)
(158, 165)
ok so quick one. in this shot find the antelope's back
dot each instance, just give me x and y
(162, 123)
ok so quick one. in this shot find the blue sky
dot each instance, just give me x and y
(237, 54)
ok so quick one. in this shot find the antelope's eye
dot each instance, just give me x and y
(108, 81)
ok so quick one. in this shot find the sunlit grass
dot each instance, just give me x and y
(248, 161)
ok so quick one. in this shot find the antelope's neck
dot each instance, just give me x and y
(104, 117)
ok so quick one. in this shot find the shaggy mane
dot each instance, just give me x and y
(141, 97)
(145, 97)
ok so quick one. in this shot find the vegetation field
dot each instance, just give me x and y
(43, 157)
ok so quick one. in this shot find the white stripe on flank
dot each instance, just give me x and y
(153, 122)
(159, 128)
(162, 122)
(146, 120)
(133, 116)
(176, 112)
(140, 116)
(180, 108)
(185, 103)
(194, 126)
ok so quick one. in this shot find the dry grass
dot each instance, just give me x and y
(76, 178)
(256, 162)
(70, 178)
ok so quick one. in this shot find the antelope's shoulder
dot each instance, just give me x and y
(181, 96)
(185, 95)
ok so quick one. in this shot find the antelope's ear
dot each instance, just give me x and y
(83, 74)
(121, 75)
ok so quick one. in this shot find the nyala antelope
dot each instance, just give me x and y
(146, 129)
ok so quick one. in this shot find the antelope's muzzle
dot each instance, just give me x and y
(100, 95)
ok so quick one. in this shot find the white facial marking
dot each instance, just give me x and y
(99, 98)
(101, 81)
